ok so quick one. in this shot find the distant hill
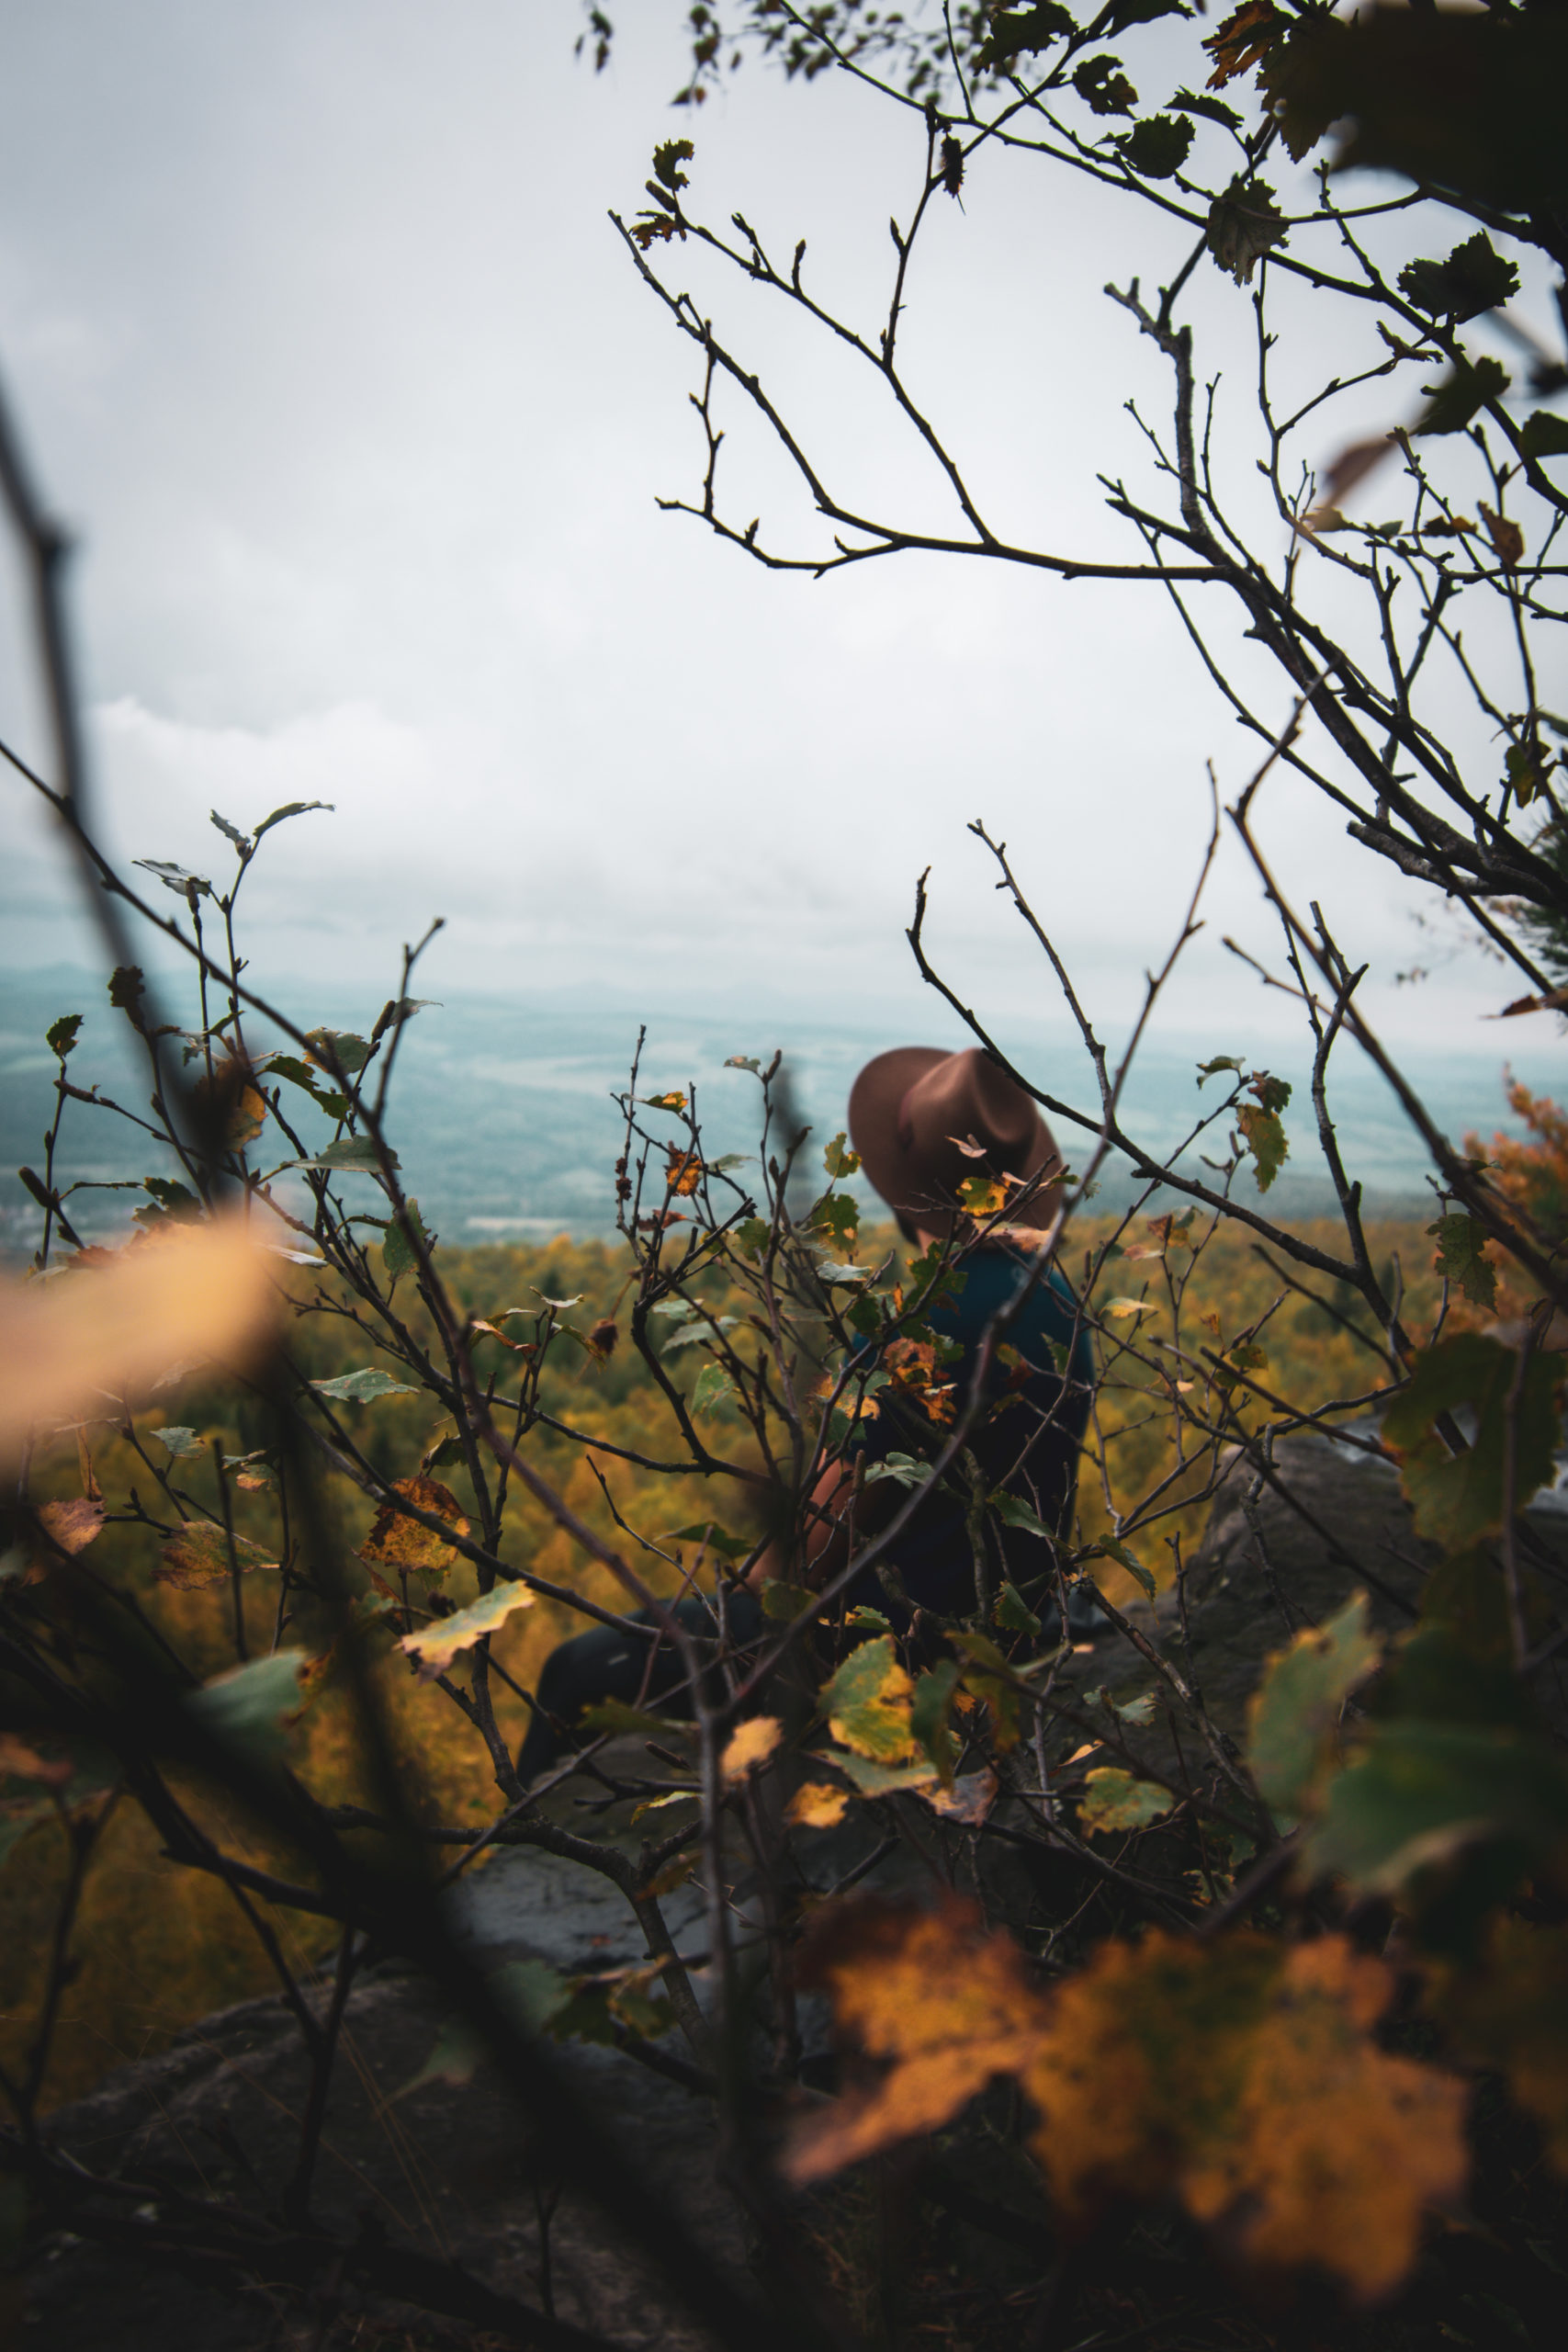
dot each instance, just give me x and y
(505, 1122)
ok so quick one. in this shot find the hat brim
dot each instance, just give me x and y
(875, 1099)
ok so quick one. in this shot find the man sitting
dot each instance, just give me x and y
(923, 1122)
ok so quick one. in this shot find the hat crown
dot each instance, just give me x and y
(923, 1120)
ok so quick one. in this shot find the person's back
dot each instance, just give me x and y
(924, 1123)
(1024, 1443)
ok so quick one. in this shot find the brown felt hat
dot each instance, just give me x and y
(917, 1116)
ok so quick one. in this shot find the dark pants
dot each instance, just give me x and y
(604, 1664)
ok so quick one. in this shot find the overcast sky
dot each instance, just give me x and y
(319, 337)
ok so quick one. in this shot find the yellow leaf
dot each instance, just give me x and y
(1114, 1799)
(817, 1805)
(124, 1318)
(751, 1745)
(434, 1649)
(201, 1554)
(981, 1197)
(400, 1543)
(658, 1805)
(1122, 1307)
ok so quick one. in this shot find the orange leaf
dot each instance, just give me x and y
(751, 1745)
(1507, 540)
(685, 1173)
(398, 1543)
(817, 1805)
(948, 2006)
(70, 1527)
(1245, 2078)
(119, 1320)
(21, 1762)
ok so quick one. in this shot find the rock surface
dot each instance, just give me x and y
(449, 2169)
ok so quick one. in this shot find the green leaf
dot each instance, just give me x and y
(668, 157)
(347, 1154)
(1544, 435)
(901, 1466)
(363, 1387)
(201, 1554)
(783, 1603)
(351, 1053)
(290, 809)
(398, 1250)
(753, 1235)
(687, 1335)
(729, 1547)
(867, 1702)
(1462, 392)
(182, 1442)
(1013, 1613)
(1266, 1139)
(1121, 13)
(838, 1214)
(838, 1160)
(1114, 1549)
(1421, 1793)
(1462, 1256)
(714, 1389)
(612, 1715)
(231, 832)
(127, 987)
(61, 1036)
(1220, 1062)
(177, 878)
(246, 1707)
(1103, 86)
(861, 1620)
(1116, 1801)
(1460, 1500)
(172, 1197)
(1475, 278)
(873, 1779)
(1019, 31)
(1203, 103)
(744, 1061)
(301, 1073)
(930, 1715)
(1244, 224)
(533, 1996)
(1525, 767)
(1157, 147)
(1293, 1711)
(1013, 1511)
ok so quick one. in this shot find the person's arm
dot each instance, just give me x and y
(836, 1515)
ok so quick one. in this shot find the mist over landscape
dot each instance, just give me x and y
(503, 1116)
